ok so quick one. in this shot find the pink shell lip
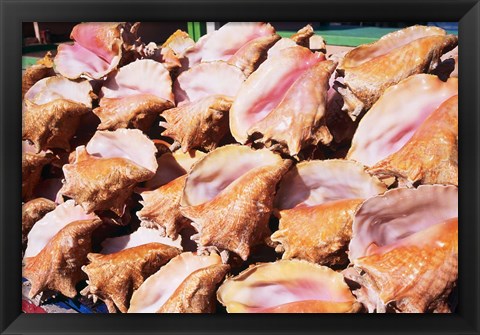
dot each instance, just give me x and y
(398, 213)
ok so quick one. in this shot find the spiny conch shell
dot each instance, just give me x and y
(431, 154)
(230, 204)
(293, 68)
(207, 79)
(223, 43)
(48, 226)
(301, 38)
(370, 69)
(161, 208)
(287, 286)
(42, 69)
(104, 174)
(172, 166)
(316, 202)
(135, 96)
(98, 49)
(187, 284)
(380, 134)
(58, 266)
(139, 237)
(296, 127)
(164, 55)
(448, 68)
(405, 249)
(32, 165)
(249, 57)
(52, 111)
(114, 277)
(198, 125)
(32, 212)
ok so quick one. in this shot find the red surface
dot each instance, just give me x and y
(28, 307)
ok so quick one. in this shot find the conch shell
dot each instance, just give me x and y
(139, 237)
(32, 212)
(42, 69)
(431, 155)
(104, 174)
(58, 266)
(230, 204)
(200, 124)
(265, 107)
(287, 286)
(380, 133)
(370, 69)
(135, 96)
(32, 165)
(52, 111)
(187, 284)
(114, 277)
(51, 223)
(405, 249)
(98, 49)
(316, 202)
(161, 208)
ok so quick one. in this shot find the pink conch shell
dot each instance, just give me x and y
(226, 41)
(370, 69)
(161, 208)
(97, 50)
(52, 111)
(135, 96)
(405, 249)
(139, 237)
(317, 201)
(114, 277)
(32, 212)
(381, 132)
(172, 166)
(42, 69)
(230, 204)
(177, 287)
(293, 126)
(58, 266)
(32, 165)
(207, 79)
(47, 227)
(287, 286)
(431, 154)
(301, 37)
(200, 124)
(269, 87)
(179, 42)
(317, 182)
(102, 183)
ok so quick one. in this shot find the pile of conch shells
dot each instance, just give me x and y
(244, 172)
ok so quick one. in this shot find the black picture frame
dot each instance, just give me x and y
(14, 12)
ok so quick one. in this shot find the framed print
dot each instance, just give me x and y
(239, 167)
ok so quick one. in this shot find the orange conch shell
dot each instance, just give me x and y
(135, 96)
(33, 211)
(431, 155)
(42, 69)
(161, 208)
(230, 204)
(58, 266)
(287, 286)
(405, 249)
(316, 202)
(187, 284)
(52, 111)
(370, 69)
(32, 165)
(200, 124)
(114, 277)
